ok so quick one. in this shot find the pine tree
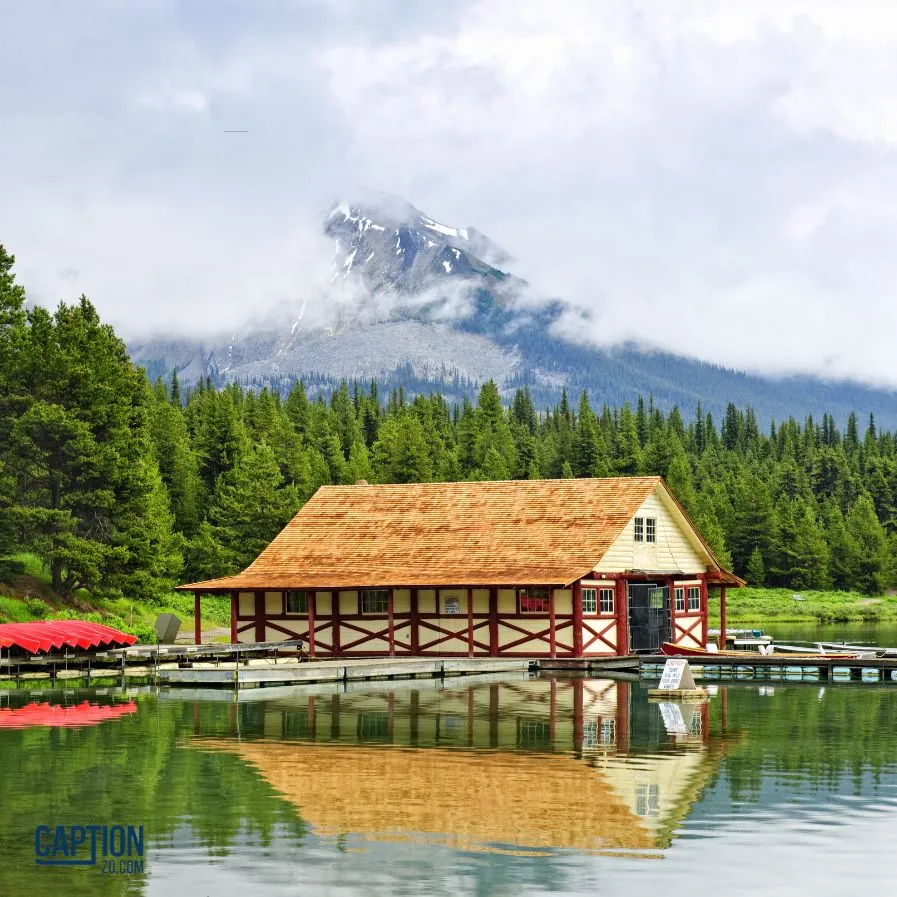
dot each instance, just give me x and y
(756, 571)
(251, 504)
(870, 546)
(87, 500)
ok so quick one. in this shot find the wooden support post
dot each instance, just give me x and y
(577, 619)
(552, 710)
(311, 728)
(469, 621)
(493, 622)
(335, 618)
(413, 717)
(622, 720)
(552, 642)
(493, 715)
(334, 718)
(470, 717)
(260, 616)
(705, 611)
(392, 628)
(312, 601)
(671, 593)
(197, 620)
(415, 633)
(234, 599)
(724, 709)
(578, 728)
(622, 609)
(391, 712)
(722, 618)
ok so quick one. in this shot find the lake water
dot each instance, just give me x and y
(509, 787)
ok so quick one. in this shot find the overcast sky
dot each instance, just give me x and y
(713, 177)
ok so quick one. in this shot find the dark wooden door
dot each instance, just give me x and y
(649, 616)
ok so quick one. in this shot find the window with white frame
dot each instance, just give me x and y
(650, 529)
(535, 600)
(590, 601)
(608, 731)
(375, 601)
(590, 733)
(638, 529)
(694, 597)
(680, 600)
(296, 603)
(647, 800)
(607, 601)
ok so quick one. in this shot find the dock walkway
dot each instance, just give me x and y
(259, 673)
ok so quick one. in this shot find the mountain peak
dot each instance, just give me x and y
(393, 246)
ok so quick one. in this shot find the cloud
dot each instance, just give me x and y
(718, 181)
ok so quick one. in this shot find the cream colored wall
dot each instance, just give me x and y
(348, 602)
(324, 603)
(530, 646)
(273, 603)
(426, 601)
(673, 552)
(401, 601)
(246, 604)
(563, 601)
(598, 647)
(672, 774)
(298, 625)
(507, 601)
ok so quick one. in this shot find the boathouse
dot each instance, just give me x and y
(538, 568)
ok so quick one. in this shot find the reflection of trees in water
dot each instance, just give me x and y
(134, 771)
(837, 738)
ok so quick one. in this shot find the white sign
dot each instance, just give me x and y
(673, 720)
(452, 605)
(676, 674)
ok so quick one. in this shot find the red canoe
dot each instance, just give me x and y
(54, 715)
(56, 635)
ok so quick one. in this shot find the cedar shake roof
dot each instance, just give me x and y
(516, 532)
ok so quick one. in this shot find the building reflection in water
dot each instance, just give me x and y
(510, 765)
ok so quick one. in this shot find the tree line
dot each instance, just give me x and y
(122, 485)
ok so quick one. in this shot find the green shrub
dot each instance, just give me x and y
(10, 568)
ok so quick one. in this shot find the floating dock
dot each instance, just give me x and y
(259, 673)
(781, 666)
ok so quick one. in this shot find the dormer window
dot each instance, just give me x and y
(645, 529)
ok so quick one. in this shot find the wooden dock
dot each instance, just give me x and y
(259, 673)
(781, 666)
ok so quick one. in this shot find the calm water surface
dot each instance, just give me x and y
(517, 786)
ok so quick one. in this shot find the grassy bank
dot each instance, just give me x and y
(750, 605)
(28, 596)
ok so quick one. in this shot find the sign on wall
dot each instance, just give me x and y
(452, 605)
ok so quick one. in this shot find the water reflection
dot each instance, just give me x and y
(484, 787)
(515, 765)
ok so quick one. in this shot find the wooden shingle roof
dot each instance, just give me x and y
(517, 532)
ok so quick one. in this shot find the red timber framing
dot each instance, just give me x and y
(689, 626)
(462, 620)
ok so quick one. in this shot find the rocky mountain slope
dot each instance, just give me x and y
(419, 304)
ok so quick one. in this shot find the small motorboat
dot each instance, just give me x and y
(672, 649)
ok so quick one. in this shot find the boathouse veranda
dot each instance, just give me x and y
(543, 569)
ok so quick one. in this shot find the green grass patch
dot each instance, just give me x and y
(28, 597)
(752, 605)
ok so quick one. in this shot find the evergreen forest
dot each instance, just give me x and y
(125, 486)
